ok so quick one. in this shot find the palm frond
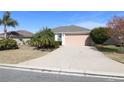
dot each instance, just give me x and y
(8, 21)
(12, 22)
(6, 16)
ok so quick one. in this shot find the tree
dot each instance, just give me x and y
(7, 21)
(99, 35)
(44, 39)
(116, 29)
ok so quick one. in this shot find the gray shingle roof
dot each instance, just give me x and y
(72, 29)
(18, 34)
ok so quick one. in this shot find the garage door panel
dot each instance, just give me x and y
(75, 40)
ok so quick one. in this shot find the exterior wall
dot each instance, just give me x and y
(89, 41)
(63, 39)
(75, 40)
(56, 37)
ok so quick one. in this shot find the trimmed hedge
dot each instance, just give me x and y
(99, 35)
(6, 44)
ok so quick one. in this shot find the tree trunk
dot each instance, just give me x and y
(5, 32)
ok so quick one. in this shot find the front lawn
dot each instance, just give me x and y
(112, 52)
(24, 53)
(107, 48)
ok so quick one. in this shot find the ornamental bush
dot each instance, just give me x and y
(6, 44)
(44, 39)
(99, 35)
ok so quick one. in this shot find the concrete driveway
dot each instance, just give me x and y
(77, 59)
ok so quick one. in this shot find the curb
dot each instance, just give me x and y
(86, 74)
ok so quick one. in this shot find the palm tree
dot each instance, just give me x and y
(7, 21)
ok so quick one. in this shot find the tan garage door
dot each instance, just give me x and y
(75, 40)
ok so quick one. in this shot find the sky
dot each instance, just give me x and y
(35, 20)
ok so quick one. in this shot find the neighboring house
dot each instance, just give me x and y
(21, 36)
(72, 35)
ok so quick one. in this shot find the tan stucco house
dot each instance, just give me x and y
(72, 35)
(21, 36)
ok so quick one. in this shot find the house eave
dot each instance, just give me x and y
(73, 33)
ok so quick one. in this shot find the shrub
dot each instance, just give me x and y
(60, 42)
(44, 39)
(57, 44)
(99, 35)
(8, 44)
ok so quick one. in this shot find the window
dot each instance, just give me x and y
(59, 37)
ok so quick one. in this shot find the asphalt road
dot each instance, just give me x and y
(11, 75)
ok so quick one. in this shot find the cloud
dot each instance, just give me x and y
(90, 24)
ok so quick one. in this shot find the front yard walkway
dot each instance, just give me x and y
(77, 59)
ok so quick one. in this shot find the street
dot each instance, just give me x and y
(12, 75)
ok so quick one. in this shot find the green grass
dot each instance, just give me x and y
(113, 52)
(108, 48)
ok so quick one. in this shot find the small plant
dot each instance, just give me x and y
(6, 44)
(57, 44)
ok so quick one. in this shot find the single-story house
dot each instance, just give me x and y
(21, 36)
(72, 35)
